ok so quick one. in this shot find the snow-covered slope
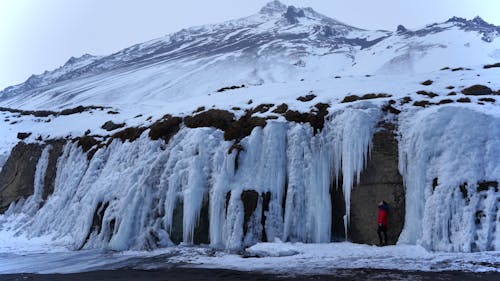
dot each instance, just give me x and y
(278, 44)
(140, 192)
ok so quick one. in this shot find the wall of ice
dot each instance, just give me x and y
(147, 194)
(450, 162)
(134, 195)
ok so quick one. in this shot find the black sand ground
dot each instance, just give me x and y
(181, 274)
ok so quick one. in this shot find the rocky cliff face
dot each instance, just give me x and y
(18, 174)
(380, 180)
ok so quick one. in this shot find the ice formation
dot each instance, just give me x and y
(129, 195)
(449, 159)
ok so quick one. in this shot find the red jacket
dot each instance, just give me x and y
(382, 215)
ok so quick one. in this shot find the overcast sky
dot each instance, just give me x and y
(40, 35)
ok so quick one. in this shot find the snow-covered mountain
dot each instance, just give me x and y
(286, 124)
(280, 43)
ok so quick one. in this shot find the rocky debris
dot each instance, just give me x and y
(485, 185)
(230, 88)
(90, 145)
(428, 94)
(353, 98)
(316, 117)
(477, 90)
(47, 113)
(450, 87)
(463, 100)
(452, 93)
(79, 109)
(243, 126)
(306, 98)
(129, 134)
(111, 126)
(445, 68)
(165, 128)
(492, 65)
(459, 69)
(113, 112)
(40, 113)
(422, 103)
(263, 108)
(445, 101)
(87, 142)
(225, 121)
(281, 109)
(492, 100)
(427, 82)
(391, 109)
(220, 119)
(23, 135)
(405, 100)
(199, 109)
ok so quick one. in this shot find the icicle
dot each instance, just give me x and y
(224, 169)
(353, 130)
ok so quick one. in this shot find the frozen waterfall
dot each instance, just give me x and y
(450, 162)
(147, 194)
(275, 183)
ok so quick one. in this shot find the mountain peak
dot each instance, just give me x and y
(75, 60)
(457, 19)
(401, 29)
(478, 20)
(292, 14)
(274, 7)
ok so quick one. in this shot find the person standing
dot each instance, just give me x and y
(383, 213)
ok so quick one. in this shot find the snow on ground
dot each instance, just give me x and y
(325, 258)
(278, 258)
(134, 110)
(15, 243)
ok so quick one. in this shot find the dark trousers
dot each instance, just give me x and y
(382, 229)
